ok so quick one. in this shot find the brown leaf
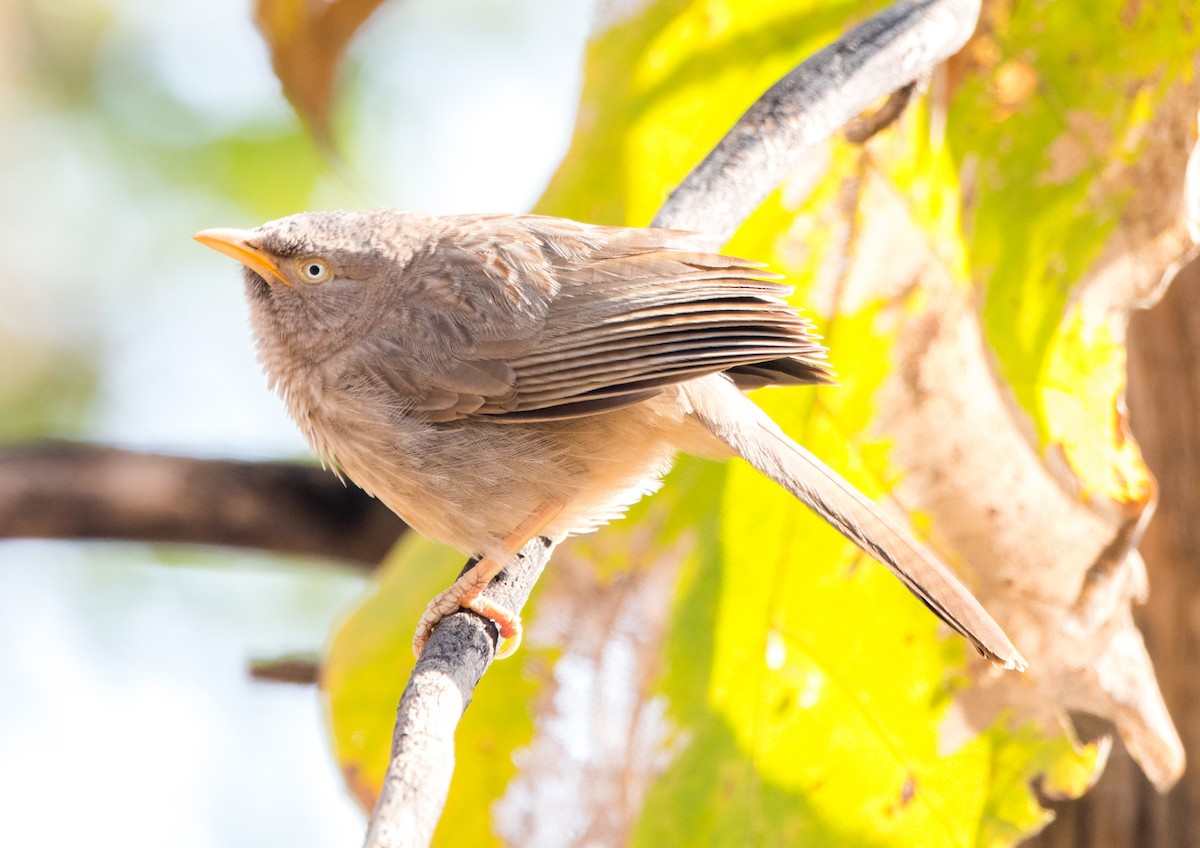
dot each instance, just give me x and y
(307, 39)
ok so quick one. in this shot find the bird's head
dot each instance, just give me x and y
(319, 280)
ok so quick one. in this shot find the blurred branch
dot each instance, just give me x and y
(59, 490)
(866, 126)
(299, 669)
(883, 54)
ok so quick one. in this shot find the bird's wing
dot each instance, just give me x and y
(564, 319)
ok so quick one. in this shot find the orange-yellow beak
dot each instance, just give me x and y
(240, 245)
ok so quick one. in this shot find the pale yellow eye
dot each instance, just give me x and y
(313, 270)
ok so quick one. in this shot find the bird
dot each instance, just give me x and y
(494, 378)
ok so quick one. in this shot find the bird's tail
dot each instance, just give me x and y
(739, 423)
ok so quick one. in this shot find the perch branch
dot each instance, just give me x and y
(885, 53)
(456, 656)
(58, 490)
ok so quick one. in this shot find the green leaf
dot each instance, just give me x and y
(1060, 96)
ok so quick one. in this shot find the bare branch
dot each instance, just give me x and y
(456, 656)
(298, 669)
(881, 55)
(58, 490)
(884, 53)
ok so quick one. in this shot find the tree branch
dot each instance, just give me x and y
(57, 490)
(297, 669)
(881, 55)
(456, 656)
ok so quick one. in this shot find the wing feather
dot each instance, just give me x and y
(623, 313)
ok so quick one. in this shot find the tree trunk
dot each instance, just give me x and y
(1123, 810)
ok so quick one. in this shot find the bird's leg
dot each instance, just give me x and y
(467, 590)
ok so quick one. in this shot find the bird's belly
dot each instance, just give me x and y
(470, 484)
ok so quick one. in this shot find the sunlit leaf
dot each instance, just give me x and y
(1055, 122)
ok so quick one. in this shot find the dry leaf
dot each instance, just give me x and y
(307, 39)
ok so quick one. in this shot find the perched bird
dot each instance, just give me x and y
(495, 378)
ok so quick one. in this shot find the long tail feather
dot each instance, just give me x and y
(739, 423)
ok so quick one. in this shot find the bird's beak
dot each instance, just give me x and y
(240, 244)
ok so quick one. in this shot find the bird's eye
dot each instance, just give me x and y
(313, 270)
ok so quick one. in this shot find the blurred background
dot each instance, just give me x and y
(127, 125)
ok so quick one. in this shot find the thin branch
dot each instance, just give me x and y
(297, 669)
(58, 490)
(881, 55)
(869, 124)
(456, 656)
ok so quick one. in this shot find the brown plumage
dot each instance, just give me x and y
(493, 378)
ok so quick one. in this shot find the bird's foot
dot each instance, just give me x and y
(467, 590)
(467, 593)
